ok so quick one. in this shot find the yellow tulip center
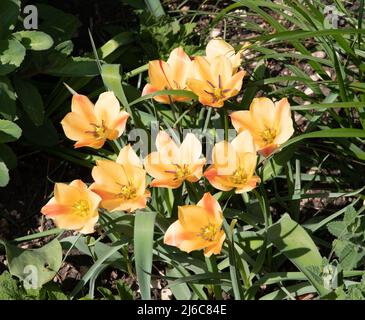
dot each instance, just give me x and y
(127, 192)
(81, 208)
(239, 176)
(100, 131)
(182, 172)
(208, 232)
(218, 93)
(268, 135)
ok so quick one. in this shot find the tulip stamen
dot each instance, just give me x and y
(239, 176)
(181, 172)
(99, 132)
(268, 135)
(208, 232)
(81, 208)
(218, 93)
(127, 192)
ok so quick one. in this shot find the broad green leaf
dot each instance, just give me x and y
(9, 16)
(34, 267)
(8, 156)
(34, 40)
(31, 100)
(155, 8)
(12, 54)
(7, 99)
(4, 174)
(295, 243)
(9, 288)
(143, 246)
(74, 67)
(9, 131)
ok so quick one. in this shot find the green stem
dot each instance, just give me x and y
(212, 267)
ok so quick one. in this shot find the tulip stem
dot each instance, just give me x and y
(212, 267)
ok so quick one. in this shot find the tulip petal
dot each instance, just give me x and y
(218, 181)
(263, 113)
(180, 65)
(243, 142)
(209, 203)
(107, 109)
(219, 47)
(175, 234)
(128, 156)
(193, 218)
(190, 149)
(76, 127)
(283, 121)
(167, 148)
(159, 74)
(216, 247)
(82, 106)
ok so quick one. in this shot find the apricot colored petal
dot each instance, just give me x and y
(190, 149)
(180, 65)
(82, 106)
(192, 245)
(90, 142)
(235, 83)
(148, 89)
(201, 70)
(66, 194)
(175, 234)
(250, 185)
(242, 120)
(263, 113)
(167, 148)
(283, 122)
(89, 226)
(193, 218)
(107, 109)
(219, 47)
(212, 206)
(243, 142)
(218, 181)
(171, 183)
(128, 156)
(159, 74)
(200, 88)
(225, 158)
(119, 124)
(109, 173)
(216, 247)
(52, 208)
(156, 167)
(76, 127)
(221, 69)
(268, 150)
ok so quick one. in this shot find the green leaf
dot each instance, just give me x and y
(124, 291)
(8, 156)
(4, 174)
(155, 8)
(9, 131)
(74, 67)
(12, 54)
(34, 267)
(34, 40)
(9, 16)
(336, 228)
(31, 100)
(7, 99)
(43, 135)
(143, 245)
(9, 288)
(296, 244)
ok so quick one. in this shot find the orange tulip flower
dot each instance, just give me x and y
(219, 47)
(73, 207)
(170, 75)
(121, 184)
(91, 125)
(234, 165)
(199, 227)
(170, 165)
(269, 124)
(214, 80)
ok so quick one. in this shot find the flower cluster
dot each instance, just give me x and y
(121, 185)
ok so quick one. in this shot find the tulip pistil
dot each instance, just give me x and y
(127, 192)
(239, 176)
(99, 132)
(208, 232)
(81, 208)
(268, 135)
(218, 93)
